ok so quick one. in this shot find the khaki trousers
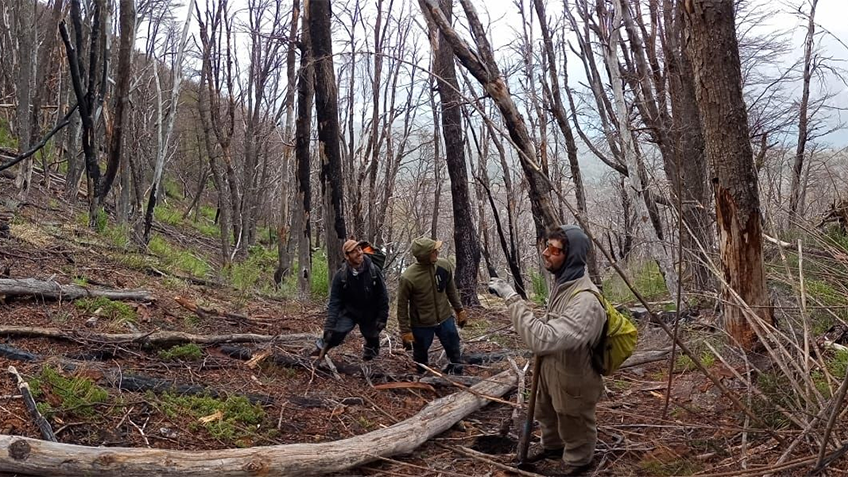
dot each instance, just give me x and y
(565, 409)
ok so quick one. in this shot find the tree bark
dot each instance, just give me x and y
(32, 456)
(283, 250)
(482, 66)
(326, 108)
(11, 287)
(303, 133)
(718, 88)
(127, 19)
(688, 140)
(464, 236)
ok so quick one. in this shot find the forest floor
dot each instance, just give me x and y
(701, 433)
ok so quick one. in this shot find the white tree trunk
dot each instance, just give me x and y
(32, 456)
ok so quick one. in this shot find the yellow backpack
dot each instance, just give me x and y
(618, 339)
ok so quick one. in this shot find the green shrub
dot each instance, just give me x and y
(320, 279)
(118, 235)
(78, 395)
(117, 311)
(186, 352)
(646, 278)
(238, 413)
(261, 262)
(167, 215)
(539, 287)
(176, 257)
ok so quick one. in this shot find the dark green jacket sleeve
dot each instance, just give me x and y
(403, 306)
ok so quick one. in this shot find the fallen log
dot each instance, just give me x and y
(645, 357)
(32, 456)
(119, 378)
(11, 287)
(156, 338)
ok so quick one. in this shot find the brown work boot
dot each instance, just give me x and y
(564, 470)
(540, 453)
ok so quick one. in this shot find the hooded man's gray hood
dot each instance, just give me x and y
(574, 266)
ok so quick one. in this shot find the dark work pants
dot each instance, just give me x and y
(370, 332)
(449, 337)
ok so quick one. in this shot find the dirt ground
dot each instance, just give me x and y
(700, 433)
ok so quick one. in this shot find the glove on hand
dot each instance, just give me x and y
(461, 318)
(499, 287)
(407, 339)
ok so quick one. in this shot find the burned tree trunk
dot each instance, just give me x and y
(464, 235)
(327, 112)
(481, 64)
(718, 87)
(303, 127)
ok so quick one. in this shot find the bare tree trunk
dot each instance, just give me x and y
(718, 88)
(165, 136)
(464, 236)
(795, 192)
(688, 140)
(638, 176)
(122, 91)
(326, 108)
(562, 122)
(483, 67)
(26, 32)
(437, 165)
(303, 126)
(283, 255)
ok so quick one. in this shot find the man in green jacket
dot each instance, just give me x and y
(426, 301)
(569, 386)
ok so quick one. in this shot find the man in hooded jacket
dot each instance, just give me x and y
(358, 296)
(569, 386)
(426, 301)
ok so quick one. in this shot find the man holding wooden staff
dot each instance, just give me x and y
(569, 386)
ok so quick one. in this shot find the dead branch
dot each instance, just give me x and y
(156, 338)
(29, 401)
(55, 291)
(32, 456)
(205, 312)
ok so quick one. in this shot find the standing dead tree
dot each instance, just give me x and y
(164, 131)
(481, 64)
(465, 237)
(327, 113)
(88, 98)
(718, 87)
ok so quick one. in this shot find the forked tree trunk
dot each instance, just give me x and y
(718, 88)
(327, 112)
(481, 64)
(464, 236)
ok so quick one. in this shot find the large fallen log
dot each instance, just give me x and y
(11, 287)
(124, 379)
(31, 456)
(156, 338)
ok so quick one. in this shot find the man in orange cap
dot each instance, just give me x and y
(358, 296)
